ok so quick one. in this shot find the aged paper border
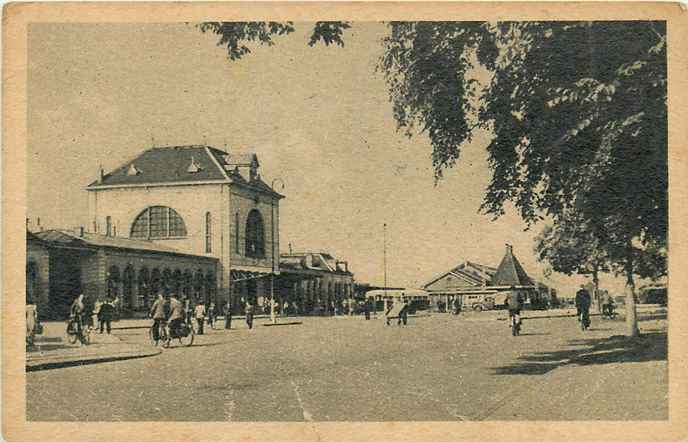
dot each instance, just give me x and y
(17, 16)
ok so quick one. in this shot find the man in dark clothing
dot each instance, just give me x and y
(107, 310)
(514, 302)
(366, 310)
(583, 301)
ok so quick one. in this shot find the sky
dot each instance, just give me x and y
(318, 118)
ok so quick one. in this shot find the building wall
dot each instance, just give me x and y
(38, 256)
(242, 201)
(192, 202)
(123, 259)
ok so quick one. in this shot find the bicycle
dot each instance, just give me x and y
(584, 320)
(76, 331)
(161, 335)
(184, 334)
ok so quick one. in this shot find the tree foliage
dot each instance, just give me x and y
(577, 109)
(570, 248)
(233, 35)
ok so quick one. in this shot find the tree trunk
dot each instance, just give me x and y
(596, 289)
(631, 317)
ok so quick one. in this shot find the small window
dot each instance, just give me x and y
(208, 233)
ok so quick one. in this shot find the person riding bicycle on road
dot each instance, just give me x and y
(177, 315)
(158, 314)
(514, 302)
(76, 313)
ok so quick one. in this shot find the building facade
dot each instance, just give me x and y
(198, 200)
(193, 219)
(62, 264)
(316, 283)
(473, 285)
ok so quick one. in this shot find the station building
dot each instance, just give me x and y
(194, 219)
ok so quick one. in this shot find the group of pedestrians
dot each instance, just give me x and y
(398, 309)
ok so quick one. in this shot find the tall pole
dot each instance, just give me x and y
(384, 252)
(273, 317)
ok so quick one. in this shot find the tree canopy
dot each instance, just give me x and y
(577, 109)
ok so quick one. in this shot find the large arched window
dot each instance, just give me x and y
(158, 222)
(255, 235)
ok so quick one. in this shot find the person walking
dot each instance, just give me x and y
(366, 310)
(158, 313)
(96, 312)
(211, 315)
(228, 315)
(199, 313)
(249, 315)
(107, 310)
(583, 302)
(188, 310)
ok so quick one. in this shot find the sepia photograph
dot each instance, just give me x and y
(302, 221)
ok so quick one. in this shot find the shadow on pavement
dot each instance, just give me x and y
(616, 349)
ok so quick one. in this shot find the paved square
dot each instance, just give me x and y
(438, 368)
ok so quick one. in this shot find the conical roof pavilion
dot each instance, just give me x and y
(510, 272)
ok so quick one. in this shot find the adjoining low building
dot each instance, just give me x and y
(477, 286)
(315, 283)
(62, 264)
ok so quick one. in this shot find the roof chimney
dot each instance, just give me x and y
(290, 251)
(81, 231)
(101, 174)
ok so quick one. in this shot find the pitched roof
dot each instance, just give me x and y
(471, 272)
(94, 240)
(184, 164)
(166, 165)
(322, 261)
(510, 272)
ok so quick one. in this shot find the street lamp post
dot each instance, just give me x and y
(273, 317)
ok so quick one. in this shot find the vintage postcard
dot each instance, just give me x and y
(344, 221)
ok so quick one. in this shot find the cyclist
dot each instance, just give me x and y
(157, 312)
(583, 307)
(607, 305)
(76, 313)
(514, 302)
(177, 315)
